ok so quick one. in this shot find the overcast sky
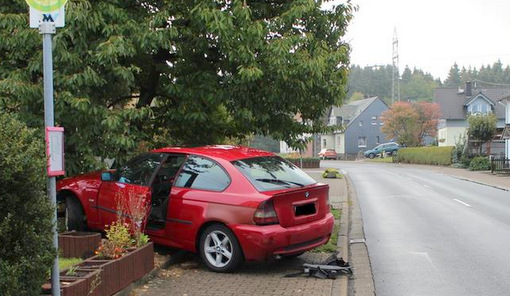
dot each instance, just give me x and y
(432, 34)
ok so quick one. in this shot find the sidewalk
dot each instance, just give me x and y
(501, 180)
(351, 240)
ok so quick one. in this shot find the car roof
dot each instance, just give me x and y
(227, 152)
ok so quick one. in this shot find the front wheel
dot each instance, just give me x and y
(371, 155)
(220, 249)
(74, 215)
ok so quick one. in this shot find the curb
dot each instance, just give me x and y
(362, 283)
(343, 238)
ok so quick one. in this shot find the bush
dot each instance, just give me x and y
(27, 249)
(426, 155)
(480, 163)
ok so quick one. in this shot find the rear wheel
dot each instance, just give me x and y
(74, 215)
(220, 249)
(371, 155)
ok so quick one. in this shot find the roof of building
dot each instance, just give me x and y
(353, 109)
(452, 101)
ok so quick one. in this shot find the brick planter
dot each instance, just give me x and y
(114, 275)
(76, 244)
(307, 163)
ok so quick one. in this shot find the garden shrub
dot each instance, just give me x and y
(426, 155)
(480, 163)
(27, 250)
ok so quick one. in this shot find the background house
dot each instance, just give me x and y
(456, 104)
(505, 135)
(362, 127)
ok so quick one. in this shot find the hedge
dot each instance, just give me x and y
(426, 155)
(26, 251)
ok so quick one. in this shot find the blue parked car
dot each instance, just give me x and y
(388, 148)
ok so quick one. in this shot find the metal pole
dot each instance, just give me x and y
(47, 29)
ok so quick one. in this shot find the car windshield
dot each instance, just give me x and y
(272, 173)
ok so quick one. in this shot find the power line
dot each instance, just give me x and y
(491, 83)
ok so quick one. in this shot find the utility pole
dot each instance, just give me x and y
(395, 86)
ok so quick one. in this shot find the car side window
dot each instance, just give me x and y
(202, 173)
(139, 170)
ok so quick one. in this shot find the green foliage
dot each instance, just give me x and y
(482, 127)
(331, 245)
(131, 76)
(25, 212)
(480, 163)
(459, 150)
(426, 155)
(332, 173)
(415, 85)
(65, 263)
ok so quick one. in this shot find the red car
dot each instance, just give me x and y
(228, 203)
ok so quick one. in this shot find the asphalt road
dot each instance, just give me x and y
(432, 234)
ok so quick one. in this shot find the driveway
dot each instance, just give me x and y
(190, 277)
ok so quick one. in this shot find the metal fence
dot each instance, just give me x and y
(500, 165)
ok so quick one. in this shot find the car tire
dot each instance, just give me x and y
(371, 155)
(394, 153)
(75, 215)
(220, 249)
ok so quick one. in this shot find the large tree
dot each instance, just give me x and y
(409, 123)
(133, 74)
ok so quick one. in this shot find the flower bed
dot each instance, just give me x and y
(77, 244)
(97, 276)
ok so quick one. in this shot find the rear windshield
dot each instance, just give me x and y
(272, 173)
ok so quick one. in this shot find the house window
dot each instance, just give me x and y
(361, 123)
(362, 142)
(374, 120)
(377, 140)
(339, 120)
(324, 143)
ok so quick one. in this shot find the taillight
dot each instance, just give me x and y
(265, 214)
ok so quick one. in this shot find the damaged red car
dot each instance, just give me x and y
(228, 203)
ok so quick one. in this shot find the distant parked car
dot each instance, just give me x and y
(388, 148)
(327, 154)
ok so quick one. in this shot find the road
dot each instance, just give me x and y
(428, 233)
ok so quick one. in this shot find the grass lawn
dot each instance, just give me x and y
(64, 263)
(387, 159)
(331, 247)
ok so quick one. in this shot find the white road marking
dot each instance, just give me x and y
(428, 187)
(460, 201)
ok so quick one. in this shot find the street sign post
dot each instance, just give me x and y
(47, 15)
(51, 11)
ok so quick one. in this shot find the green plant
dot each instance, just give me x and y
(133, 210)
(331, 173)
(331, 245)
(480, 163)
(64, 263)
(27, 250)
(118, 240)
(426, 155)
(71, 271)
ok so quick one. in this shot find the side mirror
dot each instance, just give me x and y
(106, 176)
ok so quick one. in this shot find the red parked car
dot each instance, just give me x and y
(228, 203)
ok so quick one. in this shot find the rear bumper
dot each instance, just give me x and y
(263, 242)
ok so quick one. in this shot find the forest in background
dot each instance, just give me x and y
(417, 85)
